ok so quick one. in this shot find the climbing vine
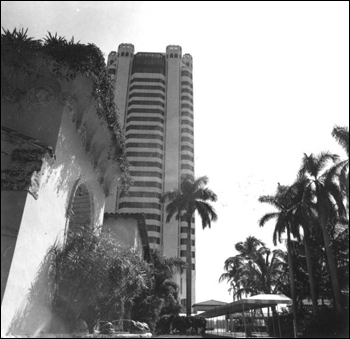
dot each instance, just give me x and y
(67, 59)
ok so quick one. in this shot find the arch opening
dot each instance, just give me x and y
(81, 211)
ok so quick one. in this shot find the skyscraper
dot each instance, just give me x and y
(154, 92)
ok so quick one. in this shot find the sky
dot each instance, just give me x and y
(271, 79)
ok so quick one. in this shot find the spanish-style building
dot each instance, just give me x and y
(58, 170)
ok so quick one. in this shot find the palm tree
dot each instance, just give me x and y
(341, 135)
(163, 270)
(249, 247)
(91, 277)
(306, 218)
(321, 189)
(234, 267)
(282, 202)
(191, 196)
(161, 295)
(253, 270)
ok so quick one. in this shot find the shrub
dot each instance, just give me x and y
(164, 324)
(161, 294)
(88, 278)
(326, 324)
(182, 325)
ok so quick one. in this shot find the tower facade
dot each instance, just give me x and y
(154, 93)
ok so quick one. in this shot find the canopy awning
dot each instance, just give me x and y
(257, 301)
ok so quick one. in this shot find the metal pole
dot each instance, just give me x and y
(295, 328)
(279, 324)
(273, 322)
(232, 320)
(245, 327)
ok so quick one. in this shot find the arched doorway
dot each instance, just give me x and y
(81, 211)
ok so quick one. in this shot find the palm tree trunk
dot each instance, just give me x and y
(189, 270)
(291, 281)
(331, 262)
(310, 271)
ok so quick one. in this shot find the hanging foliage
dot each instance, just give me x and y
(67, 59)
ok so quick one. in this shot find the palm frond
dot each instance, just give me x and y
(323, 160)
(341, 135)
(175, 207)
(267, 217)
(334, 190)
(170, 196)
(344, 169)
(270, 199)
(200, 182)
(280, 228)
(206, 212)
(225, 276)
(205, 194)
(233, 263)
(308, 166)
(54, 40)
(187, 184)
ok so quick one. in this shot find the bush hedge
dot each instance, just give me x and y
(173, 324)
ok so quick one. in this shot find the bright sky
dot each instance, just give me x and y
(271, 79)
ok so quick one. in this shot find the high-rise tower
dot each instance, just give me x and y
(154, 92)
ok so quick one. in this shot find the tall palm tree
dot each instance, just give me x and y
(281, 201)
(191, 196)
(306, 218)
(321, 188)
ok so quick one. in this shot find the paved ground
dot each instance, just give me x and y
(214, 335)
(177, 336)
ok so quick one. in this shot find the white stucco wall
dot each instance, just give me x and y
(44, 220)
(125, 230)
